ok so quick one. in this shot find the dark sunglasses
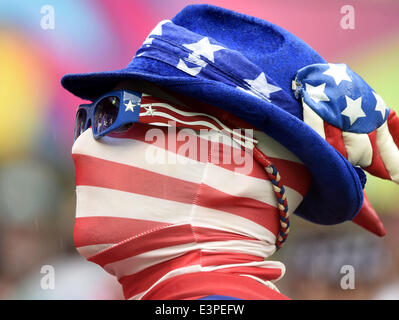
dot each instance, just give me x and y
(114, 111)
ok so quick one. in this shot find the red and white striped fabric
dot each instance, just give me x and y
(151, 212)
(377, 152)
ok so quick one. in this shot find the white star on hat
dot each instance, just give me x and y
(195, 60)
(261, 85)
(317, 92)
(381, 105)
(204, 48)
(338, 72)
(191, 71)
(353, 109)
(130, 106)
(157, 31)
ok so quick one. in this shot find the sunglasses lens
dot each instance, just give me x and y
(106, 113)
(80, 123)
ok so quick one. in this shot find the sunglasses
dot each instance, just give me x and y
(112, 112)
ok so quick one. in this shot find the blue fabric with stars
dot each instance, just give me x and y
(246, 66)
(341, 97)
(204, 57)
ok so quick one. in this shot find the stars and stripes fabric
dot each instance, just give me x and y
(156, 112)
(204, 57)
(211, 54)
(351, 116)
(152, 223)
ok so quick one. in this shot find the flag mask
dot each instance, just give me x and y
(246, 66)
(132, 215)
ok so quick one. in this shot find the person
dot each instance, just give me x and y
(191, 159)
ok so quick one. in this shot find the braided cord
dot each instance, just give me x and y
(282, 204)
(279, 191)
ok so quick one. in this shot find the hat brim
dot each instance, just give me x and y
(336, 192)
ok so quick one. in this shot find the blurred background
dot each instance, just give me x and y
(37, 200)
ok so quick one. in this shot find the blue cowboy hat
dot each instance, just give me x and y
(246, 66)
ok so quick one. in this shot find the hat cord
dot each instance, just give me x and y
(279, 191)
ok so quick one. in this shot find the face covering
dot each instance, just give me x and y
(151, 211)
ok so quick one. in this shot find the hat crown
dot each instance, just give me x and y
(277, 52)
(214, 43)
(203, 57)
